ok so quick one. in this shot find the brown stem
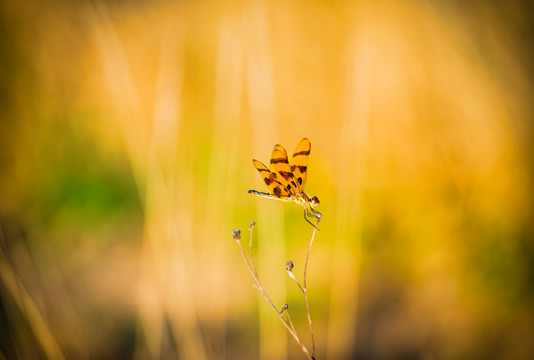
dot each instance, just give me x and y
(250, 249)
(308, 254)
(258, 286)
(305, 290)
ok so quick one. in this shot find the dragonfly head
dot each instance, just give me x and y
(314, 202)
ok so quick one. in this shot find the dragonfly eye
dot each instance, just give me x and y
(314, 202)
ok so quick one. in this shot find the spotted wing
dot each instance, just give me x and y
(271, 180)
(279, 152)
(280, 164)
(299, 163)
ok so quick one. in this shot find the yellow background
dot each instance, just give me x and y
(126, 138)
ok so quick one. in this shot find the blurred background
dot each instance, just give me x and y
(127, 130)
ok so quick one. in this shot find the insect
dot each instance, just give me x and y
(286, 181)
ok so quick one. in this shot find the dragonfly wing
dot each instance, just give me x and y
(279, 153)
(271, 179)
(281, 164)
(299, 163)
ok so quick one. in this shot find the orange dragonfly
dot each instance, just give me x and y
(286, 181)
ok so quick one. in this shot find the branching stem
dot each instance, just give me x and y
(305, 290)
(252, 268)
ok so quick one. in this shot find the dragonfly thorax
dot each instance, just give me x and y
(304, 200)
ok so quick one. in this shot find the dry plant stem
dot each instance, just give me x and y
(250, 250)
(305, 292)
(308, 254)
(308, 312)
(293, 327)
(258, 286)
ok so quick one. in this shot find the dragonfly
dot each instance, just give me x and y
(286, 180)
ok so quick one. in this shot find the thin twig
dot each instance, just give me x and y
(289, 268)
(308, 254)
(293, 327)
(259, 286)
(251, 227)
(310, 323)
(289, 319)
(305, 290)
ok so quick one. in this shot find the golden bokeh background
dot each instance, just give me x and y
(126, 137)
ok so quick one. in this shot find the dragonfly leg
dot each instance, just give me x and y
(311, 212)
(306, 214)
(316, 214)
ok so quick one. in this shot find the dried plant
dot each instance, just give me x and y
(288, 323)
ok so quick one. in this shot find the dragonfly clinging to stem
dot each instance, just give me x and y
(286, 181)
